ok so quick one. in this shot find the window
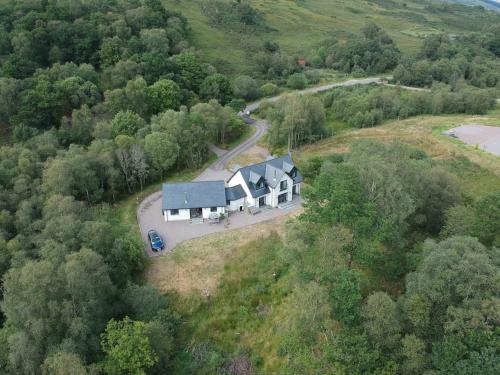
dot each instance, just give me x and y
(174, 212)
(213, 209)
(260, 184)
(283, 185)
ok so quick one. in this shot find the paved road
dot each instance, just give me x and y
(261, 127)
(313, 90)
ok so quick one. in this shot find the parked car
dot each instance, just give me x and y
(155, 240)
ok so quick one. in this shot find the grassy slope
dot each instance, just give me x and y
(300, 26)
(477, 170)
(246, 307)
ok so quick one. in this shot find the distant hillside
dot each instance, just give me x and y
(488, 4)
(300, 26)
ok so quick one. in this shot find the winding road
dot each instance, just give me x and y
(149, 210)
(261, 125)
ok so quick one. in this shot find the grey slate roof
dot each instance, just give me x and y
(201, 194)
(234, 193)
(272, 170)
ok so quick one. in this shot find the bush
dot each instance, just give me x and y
(245, 87)
(269, 89)
(237, 104)
(297, 81)
(313, 76)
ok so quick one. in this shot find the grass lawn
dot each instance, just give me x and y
(228, 288)
(198, 264)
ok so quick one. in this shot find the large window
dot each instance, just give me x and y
(213, 209)
(283, 185)
(174, 212)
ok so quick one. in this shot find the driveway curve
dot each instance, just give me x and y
(149, 210)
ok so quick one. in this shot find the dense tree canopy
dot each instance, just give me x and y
(295, 120)
(373, 52)
(472, 58)
(100, 98)
(91, 96)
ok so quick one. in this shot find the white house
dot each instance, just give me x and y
(271, 183)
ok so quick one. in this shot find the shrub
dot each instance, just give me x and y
(245, 87)
(269, 89)
(297, 81)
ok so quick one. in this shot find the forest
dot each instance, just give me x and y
(473, 58)
(97, 100)
(100, 100)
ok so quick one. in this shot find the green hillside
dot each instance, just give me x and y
(299, 26)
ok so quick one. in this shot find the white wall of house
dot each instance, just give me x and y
(237, 179)
(184, 214)
(207, 211)
(235, 205)
(277, 192)
(271, 199)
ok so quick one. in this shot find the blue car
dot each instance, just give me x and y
(155, 240)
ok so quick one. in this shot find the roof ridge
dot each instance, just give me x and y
(191, 182)
(266, 161)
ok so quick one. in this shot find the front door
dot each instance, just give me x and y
(262, 201)
(195, 213)
(282, 198)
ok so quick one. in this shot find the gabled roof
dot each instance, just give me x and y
(234, 193)
(201, 194)
(272, 170)
(287, 167)
(273, 175)
(254, 177)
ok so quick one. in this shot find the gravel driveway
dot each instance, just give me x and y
(150, 216)
(175, 232)
(149, 211)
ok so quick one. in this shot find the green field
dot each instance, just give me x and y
(300, 26)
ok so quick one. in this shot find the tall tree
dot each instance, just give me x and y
(163, 95)
(162, 151)
(381, 320)
(127, 347)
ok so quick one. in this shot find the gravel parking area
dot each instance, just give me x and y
(176, 232)
(485, 137)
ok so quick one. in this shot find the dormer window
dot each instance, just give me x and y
(260, 184)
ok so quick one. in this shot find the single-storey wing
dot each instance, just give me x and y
(190, 200)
